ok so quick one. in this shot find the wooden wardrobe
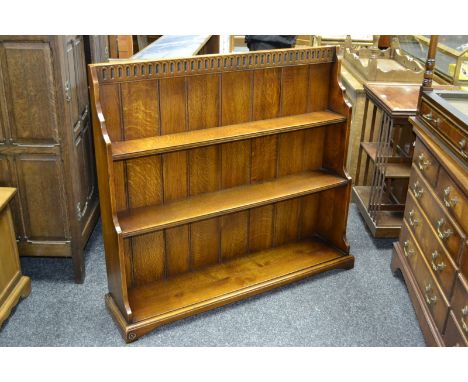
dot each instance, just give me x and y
(220, 177)
(46, 148)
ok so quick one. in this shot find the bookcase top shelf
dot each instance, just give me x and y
(198, 138)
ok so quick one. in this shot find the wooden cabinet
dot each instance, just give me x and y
(46, 145)
(220, 177)
(13, 285)
(434, 235)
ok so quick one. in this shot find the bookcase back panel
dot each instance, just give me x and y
(174, 251)
(139, 109)
(165, 178)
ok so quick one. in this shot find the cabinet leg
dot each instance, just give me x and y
(78, 266)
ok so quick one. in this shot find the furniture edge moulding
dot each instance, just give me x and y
(211, 63)
(113, 241)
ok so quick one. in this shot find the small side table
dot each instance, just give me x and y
(385, 155)
(13, 285)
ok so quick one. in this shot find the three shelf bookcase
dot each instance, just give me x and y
(220, 177)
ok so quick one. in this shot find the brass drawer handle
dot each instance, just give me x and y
(449, 203)
(423, 163)
(443, 234)
(412, 220)
(464, 313)
(406, 249)
(429, 300)
(429, 117)
(462, 144)
(417, 190)
(437, 267)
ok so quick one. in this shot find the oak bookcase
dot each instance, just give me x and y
(220, 176)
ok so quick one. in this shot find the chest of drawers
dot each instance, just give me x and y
(432, 251)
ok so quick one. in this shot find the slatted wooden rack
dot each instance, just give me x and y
(220, 177)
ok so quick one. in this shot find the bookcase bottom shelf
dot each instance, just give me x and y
(165, 301)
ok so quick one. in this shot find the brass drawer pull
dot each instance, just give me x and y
(443, 234)
(423, 163)
(449, 203)
(412, 220)
(464, 313)
(429, 300)
(417, 190)
(462, 144)
(406, 249)
(437, 267)
(429, 117)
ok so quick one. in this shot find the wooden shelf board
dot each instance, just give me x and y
(152, 218)
(390, 222)
(370, 149)
(205, 137)
(220, 284)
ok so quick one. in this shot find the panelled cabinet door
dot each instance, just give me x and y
(7, 180)
(40, 182)
(70, 85)
(28, 85)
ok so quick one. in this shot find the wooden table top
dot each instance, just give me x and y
(6, 194)
(396, 98)
(172, 46)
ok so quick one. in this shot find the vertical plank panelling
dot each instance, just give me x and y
(294, 98)
(144, 174)
(290, 153)
(173, 103)
(148, 257)
(309, 215)
(314, 142)
(318, 86)
(204, 170)
(261, 228)
(110, 102)
(234, 235)
(204, 237)
(140, 109)
(266, 104)
(119, 185)
(236, 107)
(287, 219)
(177, 250)
(203, 101)
(295, 90)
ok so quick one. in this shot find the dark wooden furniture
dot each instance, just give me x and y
(13, 285)
(220, 177)
(176, 46)
(387, 147)
(96, 48)
(46, 149)
(432, 252)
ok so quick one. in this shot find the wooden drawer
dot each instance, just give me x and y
(445, 227)
(442, 265)
(452, 133)
(407, 243)
(426, 162)
(460, 303)
(453, 334)
(431, 292)
(453, 198)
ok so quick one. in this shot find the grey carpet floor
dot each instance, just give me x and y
(365, 306)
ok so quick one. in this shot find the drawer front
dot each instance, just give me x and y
(425, 162)
(453, 198)
(443, 267)
(460, 304)
(448, 232)
(432, 295)
(451, 132)
(407, 244)
(453, 335)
